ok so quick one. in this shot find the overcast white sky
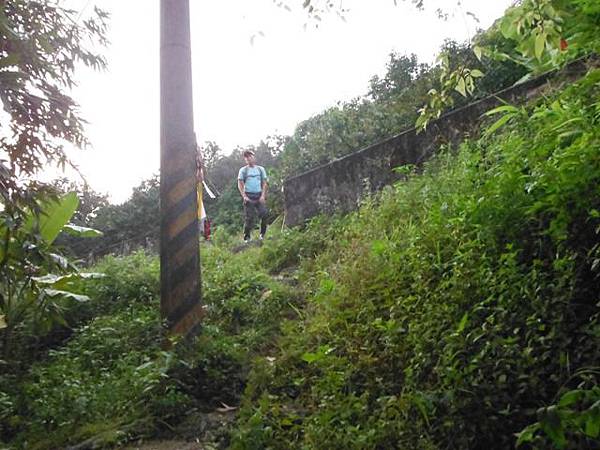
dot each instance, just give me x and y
(244, 90)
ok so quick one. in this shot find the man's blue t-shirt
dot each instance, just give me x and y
(252, 178)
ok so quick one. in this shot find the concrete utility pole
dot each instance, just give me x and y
(180, 280)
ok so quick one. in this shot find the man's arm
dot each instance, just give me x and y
(241, 189)
(264, 185)
(264, 188)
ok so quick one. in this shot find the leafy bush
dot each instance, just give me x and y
(573, 422)
(38, 285)
(450, 310)
(242, 301)
(245, 310)
(124, 281)
(132, 278)
(292, 246)
(112, 376)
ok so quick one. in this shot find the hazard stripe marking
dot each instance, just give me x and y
(184, 306)
(186, 202)
(186, 219)
(181, 190)
(185, 253)
(190, 321)
(183, 239)
(181, 305)
(182, 272)
(182, 291)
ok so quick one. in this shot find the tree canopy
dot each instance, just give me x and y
(41, 45)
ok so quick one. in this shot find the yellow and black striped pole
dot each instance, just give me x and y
(180, 277)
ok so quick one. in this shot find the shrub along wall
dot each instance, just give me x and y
(341, 184)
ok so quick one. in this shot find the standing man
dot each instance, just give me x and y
(252, 184)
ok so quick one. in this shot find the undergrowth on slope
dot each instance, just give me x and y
(459, 307)
(113, 380)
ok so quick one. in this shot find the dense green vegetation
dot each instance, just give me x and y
(452, 311)
(456, 309)
(113, 379)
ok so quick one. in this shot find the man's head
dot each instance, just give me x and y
(249, 157)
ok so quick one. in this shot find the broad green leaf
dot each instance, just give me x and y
(62, 282)
(75, 230)
(592, 424)
(506, 28)
(90, 275)
(527, 47)
(509, 24)
(286, 422)
(552, 425)
(48, 279)
(461, 87)
(540, 44)
(499, 123)
(470, 85)
(405, 169)
(556, 107)
(326, 286)
(60, 260)
(66, 294)
(422, 122)
(478, 52)
(312, 357)
(323, 351)
(3, 321)
(503, 108)
(463, 323)
(378, 247)
(56, 214)
(524, 78)
(571, 397)
(475, 73)
(527, 434)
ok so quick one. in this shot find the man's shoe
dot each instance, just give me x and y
(247, 239)
(261, 237)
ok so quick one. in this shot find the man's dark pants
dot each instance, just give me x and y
(252, 208)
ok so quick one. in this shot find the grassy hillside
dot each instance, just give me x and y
(457, 308)
(113, 380)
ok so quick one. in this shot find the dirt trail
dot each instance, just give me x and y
(199, 431)
(209, 431)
